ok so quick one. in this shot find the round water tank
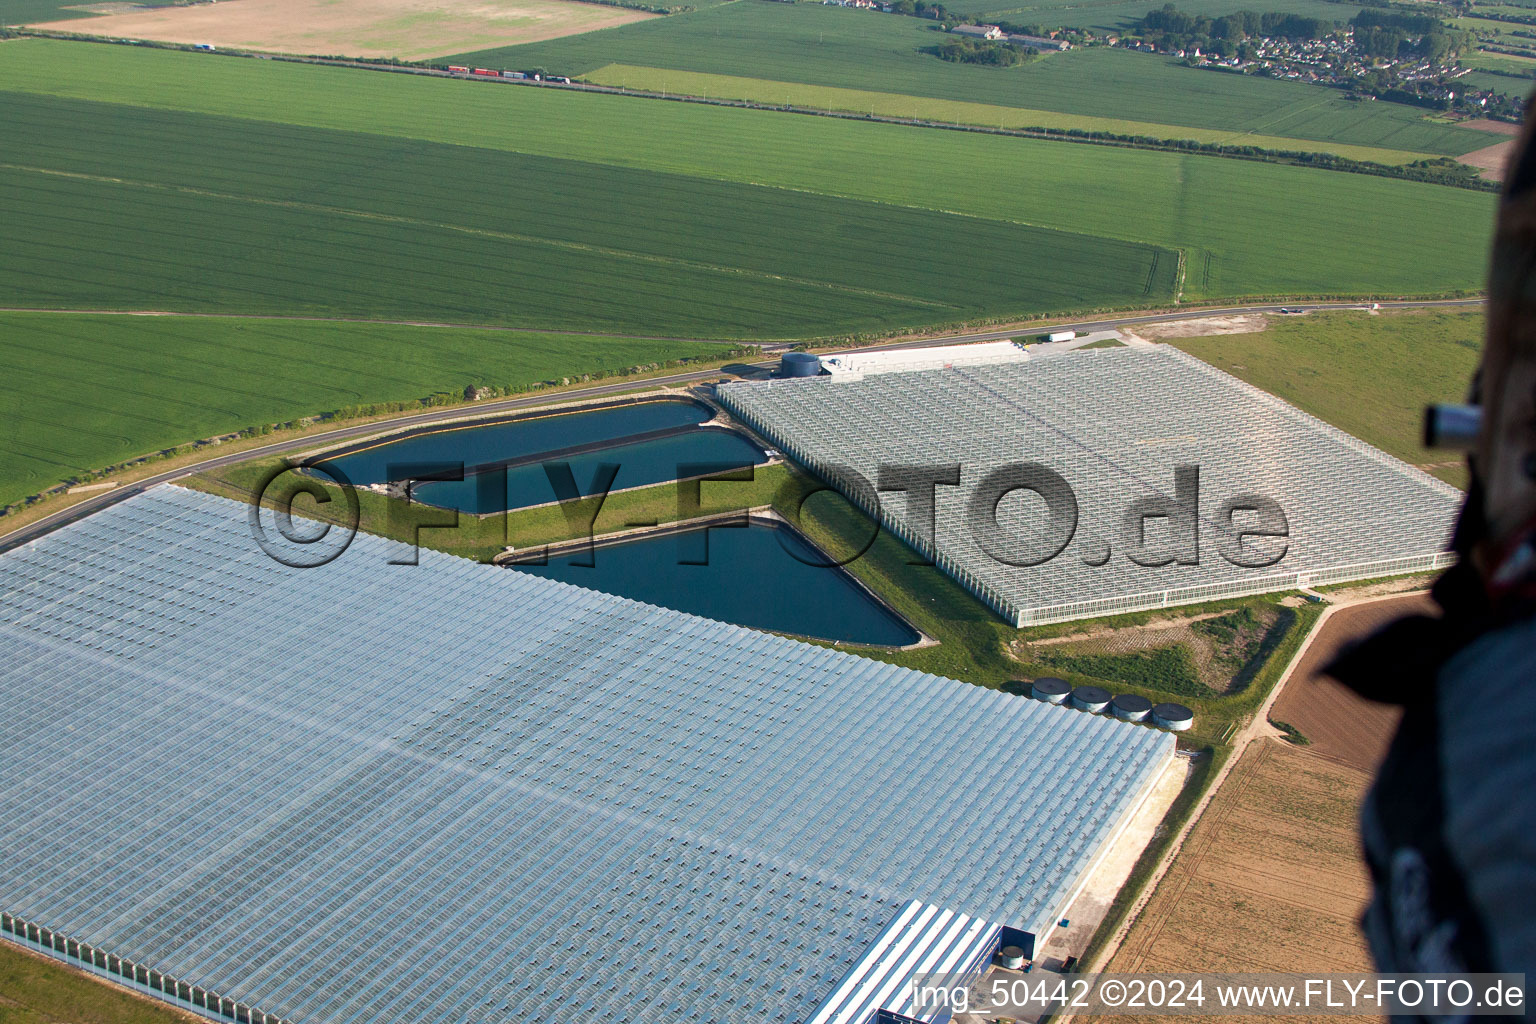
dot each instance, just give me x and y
(1049, 689)
(799, 364)
(1011, 957)
(1173, 717)
(1090, 698)
(1131, 707)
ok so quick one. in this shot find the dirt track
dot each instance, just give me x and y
(1342, 726)
(1201, 327)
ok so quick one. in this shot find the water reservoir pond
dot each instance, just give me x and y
(525, 437)
(639, 465)
(764, 576)
(505, 463)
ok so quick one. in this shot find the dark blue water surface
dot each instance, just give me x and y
(756, 576)
(520, 438)
(639, 465)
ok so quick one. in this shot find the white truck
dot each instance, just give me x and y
(1061, 336)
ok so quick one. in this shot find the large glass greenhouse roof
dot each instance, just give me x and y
(1114, 424)
(450, 792)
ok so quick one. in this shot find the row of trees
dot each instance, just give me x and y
(1405, 36)
(1526, 18)
(1184, 30)
(1377, 32)
(991, 53)
(922, 9)
(1439, 170)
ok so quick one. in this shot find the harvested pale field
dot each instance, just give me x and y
(1269, 879)
(1484, 124)
(1490, 160)
(1199, 327)
(409, 29)
(1339, 724)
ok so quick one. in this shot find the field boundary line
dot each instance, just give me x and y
(893, 204)
(1331, 759)
(1285, 899)
(1279, 968)
(305, 318)
(1289, 112)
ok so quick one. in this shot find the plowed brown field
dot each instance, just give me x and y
(1340, 724)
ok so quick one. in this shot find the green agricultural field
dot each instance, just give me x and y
(82, 392)
(1501, 62)
(814, 44)
(1519, 87)
(462, 202)
(38, 991)
(1495, 30)
(1370, 376)
(1245, 228)
(1495, 11)
(281, 219)
(886, 104)
(25, 12)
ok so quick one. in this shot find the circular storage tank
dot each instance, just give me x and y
(799, 364)
(1173, 717)
(1050, 689)
(1130, 707)
(1090, 698)
(1011, 957)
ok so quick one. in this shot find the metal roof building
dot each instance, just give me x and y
(909, 360)
(1114, 424)
(446, 793)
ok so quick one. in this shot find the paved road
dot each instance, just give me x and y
(97, 502)
(769, 346)
(1185, 314)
